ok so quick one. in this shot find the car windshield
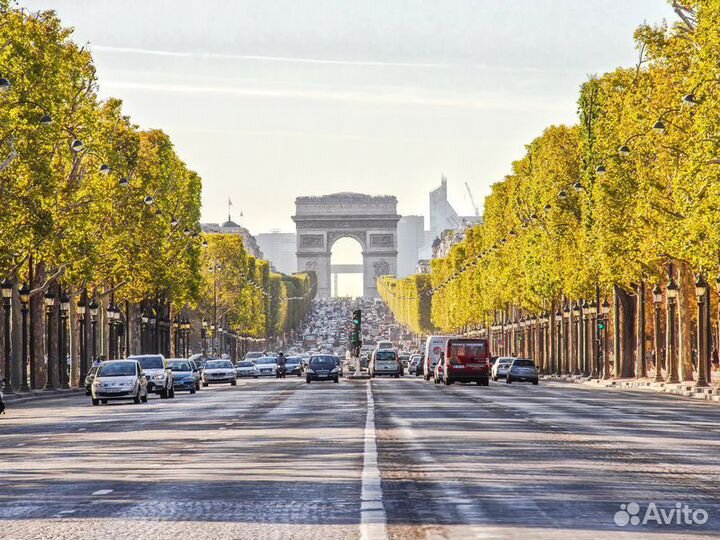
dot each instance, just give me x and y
(505, 360)
(117, 369)
(384, 355)
(523, 363)
(180, 366)
(327, 362)
(246, 364)
(292, 360)
(266, 360)
(218, 364)
(151, 362)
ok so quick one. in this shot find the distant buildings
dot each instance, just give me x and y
(411, 238)
(230, 227)
(279, 248)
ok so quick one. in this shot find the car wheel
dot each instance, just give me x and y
(397, 375)
(136, 399)
(233, 383)
(205, 384)
(95, 402)
(103, 401)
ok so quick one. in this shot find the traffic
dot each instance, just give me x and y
(338, 336)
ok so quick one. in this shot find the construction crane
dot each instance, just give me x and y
(472, 200)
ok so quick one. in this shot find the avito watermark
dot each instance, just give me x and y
(679, 514)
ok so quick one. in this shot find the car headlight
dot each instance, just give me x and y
(334, 370)
(158, 377)
(310, 370)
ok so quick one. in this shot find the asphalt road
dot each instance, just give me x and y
(392, 458)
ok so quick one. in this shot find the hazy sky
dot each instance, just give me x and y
(271, 99)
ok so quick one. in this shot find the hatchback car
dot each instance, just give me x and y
(522, 369)
(245, 368)
(185, 374)
(500, 367)
(219, 371)
(322, 368)
(119, 379)
(265, 366)
(159, 376)
(293, 365)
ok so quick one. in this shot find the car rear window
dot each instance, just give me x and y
(218, 364)
(385, 355)
(469, 351)
(180, 366)
(117, 369)
(523, 363)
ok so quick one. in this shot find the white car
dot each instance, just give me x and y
(119, 379)
(245, 368)
(265, 366)
(219, 371)
(159, 375)
(500, 367)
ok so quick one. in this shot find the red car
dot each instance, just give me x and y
(467, 360)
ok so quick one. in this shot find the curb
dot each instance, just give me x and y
(33, 395)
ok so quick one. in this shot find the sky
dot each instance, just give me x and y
(273, 99)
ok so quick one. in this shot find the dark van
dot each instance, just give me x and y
(467, 360)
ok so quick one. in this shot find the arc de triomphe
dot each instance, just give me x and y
(371, 220)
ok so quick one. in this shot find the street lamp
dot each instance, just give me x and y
(81, 309)
(605, 309)
(93, 307)
(701, 288)
(671, 291)
(24, 293)
(575, 351)
(49, 301)
(62, 340)
(584, 347)
(7, 291)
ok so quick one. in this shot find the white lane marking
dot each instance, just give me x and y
(373, 519)
(103, 492)
(20, 444)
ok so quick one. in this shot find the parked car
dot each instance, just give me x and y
(159, 376)
(522, 369)
(185, 374)
(466, 360)
(89, 379)
(245, 368)
(293, 365)
(322, 368)
(119, 379)
(219, 371)
(265, 366)
(385, 362)
(500, 367)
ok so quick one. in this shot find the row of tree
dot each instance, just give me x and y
(99, 212)
(611, 202)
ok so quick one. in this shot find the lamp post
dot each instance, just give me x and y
(7, 291)
(93, 307)
(585, 339)
(203, 337)
(576, 343)
(671, 290)
(152, 323)
(657, 301)
(51, 371)
(592, 339)
(144, 320)
(605, 357)
(81, 308)
(24, 293)
(559, 360)
(701, 288)
(62, 341)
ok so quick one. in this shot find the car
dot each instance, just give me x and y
(119, 379)
(293, 365)
(522, 369)
(405, 359)
(89, 379)
(413, 363)
(159, 376)
(322, 368)
(500, 367)
(219, 371)
(339, 365)
(466, 360)
(245, 368)
(185, 374)
(433, 347)
(384, 344)
(420, 367)
(253, 355)
(385, 362)
(265, 366)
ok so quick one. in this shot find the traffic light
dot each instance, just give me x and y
(356, 331)
(601, 324)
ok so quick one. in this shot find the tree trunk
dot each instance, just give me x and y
(74, 335)
(640, 360)
(624, 334)
(686, 284)
(38, 372)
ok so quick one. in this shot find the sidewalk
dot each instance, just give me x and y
(32, 395)
(685, 389)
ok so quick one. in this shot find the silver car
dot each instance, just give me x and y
(245, 368)
(522, 369)
(265, 366)
(160, 378)
(119, 379)
(500, 367)
(219, 371)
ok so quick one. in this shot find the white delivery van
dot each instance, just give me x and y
(433, 347)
